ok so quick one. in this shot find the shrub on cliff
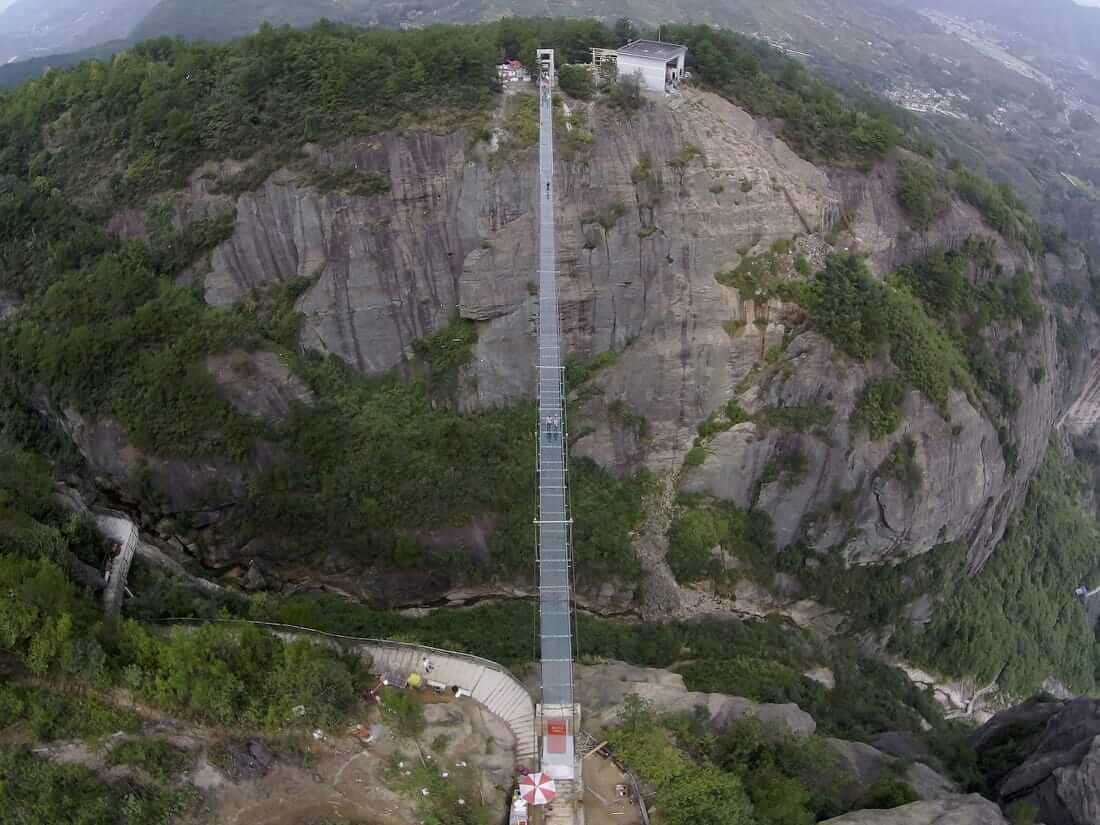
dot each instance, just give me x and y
(688, 793)
(921, 192)
(878, 409)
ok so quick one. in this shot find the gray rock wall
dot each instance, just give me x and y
(454, 237)
(1045, 752)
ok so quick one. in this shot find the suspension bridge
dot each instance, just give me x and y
(557, 712)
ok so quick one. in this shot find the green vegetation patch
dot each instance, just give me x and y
(575, 137)
(444, 352)
(1017, 620)
(878, 410)
(687, 793)
(166, 105)
(521, 122)
(801, 419)
(340, 492)
(789, 779)
(1000, 206)
(121, 340)
(579, 371)
(922, 193)
(865, 319)
(753, 276)
(628, 418)
(49, 715)
(220, 673)
(723, 419)
(902, 466)
(789, 467)
(161, 760)
(349, 180)
(888, 792)
(576, 81)
(699, 528)
(46, 793)
(763, 680)
(403, 711)
(451, 795)
(682, 160)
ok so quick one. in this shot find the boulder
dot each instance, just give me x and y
(1046, 752)
(258, 384)
(864, 765)
(905, 745)
(600, 689)
(953, 810)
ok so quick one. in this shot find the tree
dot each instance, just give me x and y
(693, 535)
(575, 81)
(680, 162)
(848, 306)
(687, 793)
(921, 193)
(707, 796)
(625, 93)
(624, 31)
(403, 711)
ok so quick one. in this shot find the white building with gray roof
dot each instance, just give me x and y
(660, 65)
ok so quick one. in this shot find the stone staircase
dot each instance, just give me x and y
(493, 687)
(566, 809)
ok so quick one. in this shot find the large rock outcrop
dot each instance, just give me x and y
(975, 460)
(1046, 752)
(600, 689)
(955, 810)
(456, 234)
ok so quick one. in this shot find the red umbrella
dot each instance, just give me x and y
(537, 788)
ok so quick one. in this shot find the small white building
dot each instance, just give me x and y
(661, 65)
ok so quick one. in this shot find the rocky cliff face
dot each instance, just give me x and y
(641, 242)
(1045, 752)
(457, 234)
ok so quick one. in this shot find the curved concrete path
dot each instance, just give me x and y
(489, 683)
